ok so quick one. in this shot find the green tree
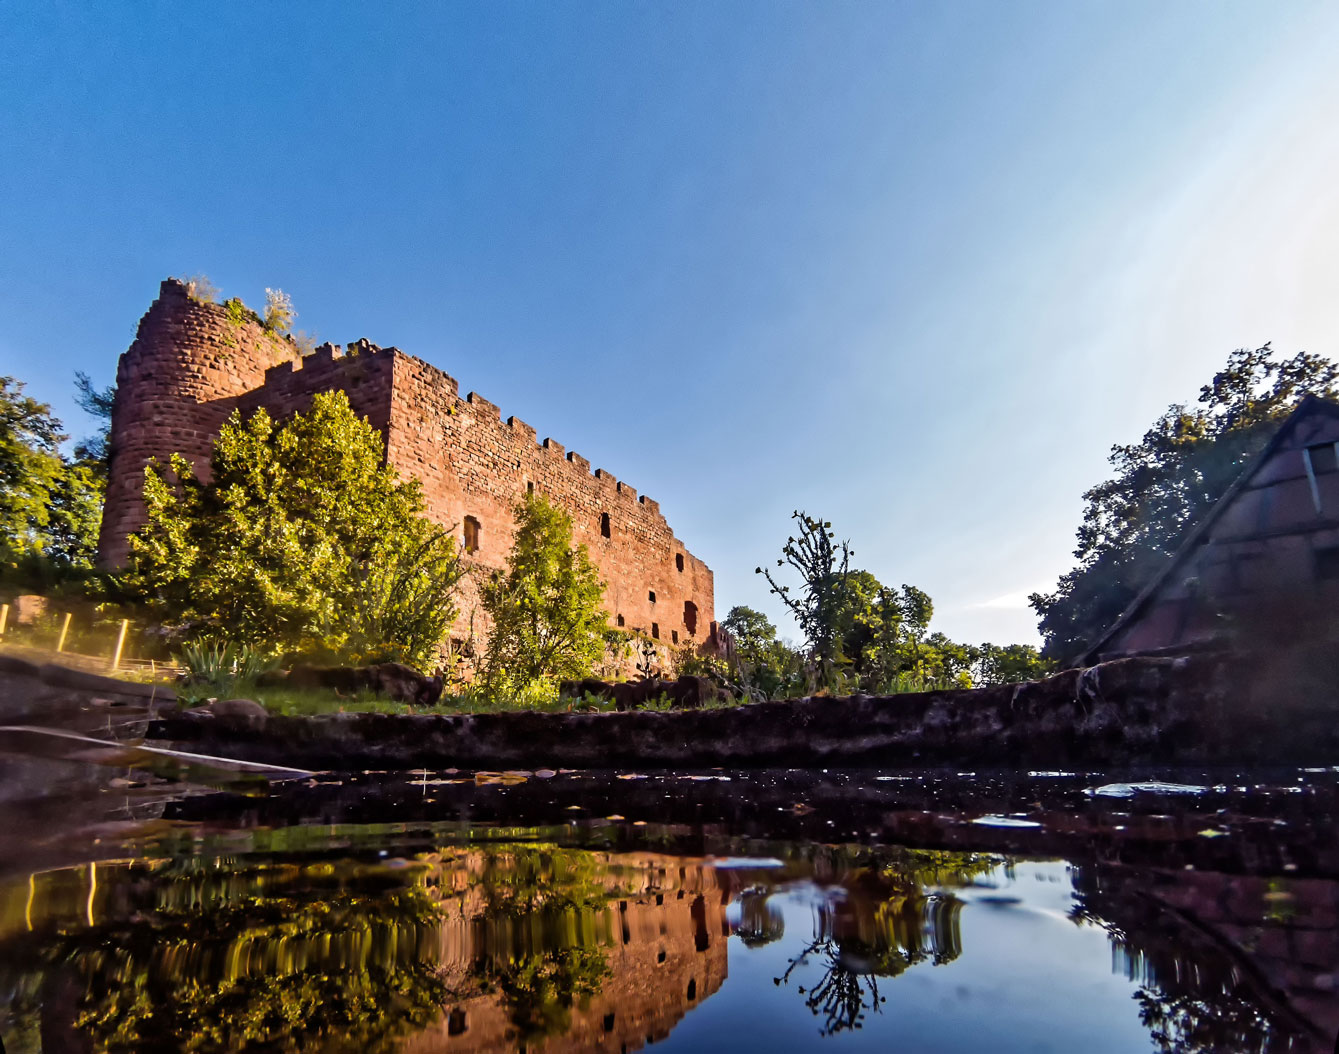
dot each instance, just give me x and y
(31, 470)
(303, 542)
(764, 663)
(1008, 664)
(50, 505)
(823, 565)
(548, 620)
(1165, 483)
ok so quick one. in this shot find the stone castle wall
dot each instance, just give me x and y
(191, 364)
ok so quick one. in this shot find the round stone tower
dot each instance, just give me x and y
(185, 372)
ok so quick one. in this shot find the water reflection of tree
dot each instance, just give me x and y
(760, 921)
(276, 970)
(540, 989)
(884, 923)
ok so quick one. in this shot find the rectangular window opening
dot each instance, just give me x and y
(678, 561)
(472, 533)
(655, 630)
(651, 596)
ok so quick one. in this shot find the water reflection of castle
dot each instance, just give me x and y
(662, 931)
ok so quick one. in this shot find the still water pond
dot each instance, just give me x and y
(161, 920)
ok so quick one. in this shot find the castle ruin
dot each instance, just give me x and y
(192, 363)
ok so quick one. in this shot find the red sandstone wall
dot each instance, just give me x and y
(189, 367)
(473, 463)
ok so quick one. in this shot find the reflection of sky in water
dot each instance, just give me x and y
(1027, 979)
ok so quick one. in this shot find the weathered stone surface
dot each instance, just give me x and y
(1132, 711)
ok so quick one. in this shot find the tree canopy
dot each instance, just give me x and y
(50, 504)
(860, 635)
(1134, 522)
(548, 619)
(303, 542)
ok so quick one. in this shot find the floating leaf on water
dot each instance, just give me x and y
(616, 816)
(545, 774)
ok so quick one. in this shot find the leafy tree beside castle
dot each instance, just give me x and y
(1165, 483)
(548, 619)
(303, 542)
(50, 504)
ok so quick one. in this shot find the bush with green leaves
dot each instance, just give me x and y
(546, 609)
(303, 542)
(50, 504)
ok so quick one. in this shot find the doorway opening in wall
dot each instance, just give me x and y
(655, 630)
(472, 532)
(604, 524)
(690, 617)
(620, 621)
(674, 636)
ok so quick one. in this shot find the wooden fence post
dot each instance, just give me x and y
(64, 631)
(120, 643)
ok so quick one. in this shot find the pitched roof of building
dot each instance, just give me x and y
(1308, 406)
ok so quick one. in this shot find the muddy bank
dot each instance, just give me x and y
(1191, 710)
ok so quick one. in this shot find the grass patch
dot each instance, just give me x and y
(306, 702)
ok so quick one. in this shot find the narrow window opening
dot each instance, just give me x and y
(609, 1022)
(661, 957)
(651, 596)
(604, 524)
(529, 487)
(678, 561)
(620, 621)
(690, 617)
(692, 989)
(674, 635)
(455, 1022)
(472, 532)
(655, 630)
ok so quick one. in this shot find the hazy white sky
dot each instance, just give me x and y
(912, 267)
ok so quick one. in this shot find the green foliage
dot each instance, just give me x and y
(303, 542)
(1165, 483)
(1009, 664)
(548, 623)
(823, 566)
(764, 665)
(237, 313)
(221, 665)
(279, 313)
(50, 505)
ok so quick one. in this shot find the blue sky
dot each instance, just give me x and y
(912, 267)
